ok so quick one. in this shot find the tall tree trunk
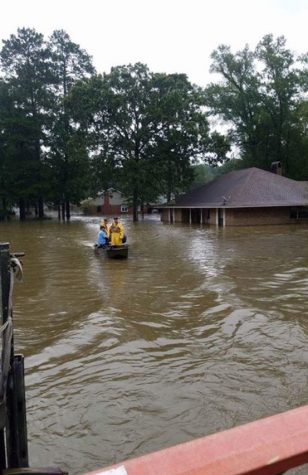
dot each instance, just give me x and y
(4, 215)
(135, 205)
(67, 209)
(170, 185)
(22, 209)
(135, 212)
(40, 208)
(63, 210)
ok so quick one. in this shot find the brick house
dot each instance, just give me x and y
(244, 197)
(107, 203)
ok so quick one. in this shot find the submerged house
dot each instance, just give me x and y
(244, 197)
(107, 202)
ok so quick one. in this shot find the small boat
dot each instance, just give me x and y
(113, 252)
(117, 252)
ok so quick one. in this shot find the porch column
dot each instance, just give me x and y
(201, 216)
(173, 215)
(189, 215)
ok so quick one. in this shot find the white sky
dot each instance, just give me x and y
(167, 35)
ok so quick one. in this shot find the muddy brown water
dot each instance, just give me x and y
(199, 330)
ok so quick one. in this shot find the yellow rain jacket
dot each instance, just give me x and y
(116, 233)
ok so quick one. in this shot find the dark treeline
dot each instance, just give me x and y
(67, 132)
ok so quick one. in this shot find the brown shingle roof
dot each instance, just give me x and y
(251, 187)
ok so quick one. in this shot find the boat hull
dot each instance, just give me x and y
(113, 252)
(117, 252)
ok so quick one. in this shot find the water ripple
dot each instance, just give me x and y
(199, 330)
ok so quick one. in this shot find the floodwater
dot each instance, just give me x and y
(199, 330)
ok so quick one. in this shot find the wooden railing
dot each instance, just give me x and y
(269, 446)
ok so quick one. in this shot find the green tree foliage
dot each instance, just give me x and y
(65, 131)
(66, 156)
(143, 129)
(43, 151)
(259, 98)
(6, 183)
(182, 134)
(203, 173)
(25, 60)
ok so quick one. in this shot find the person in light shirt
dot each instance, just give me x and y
(102, 238)
(105, 225)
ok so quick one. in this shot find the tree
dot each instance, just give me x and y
(143, 130)
(258, 99)
(237, 99)
(67, 156)
(183, 131)
(6, 181)
(280, 89)
(203, 174)
(25, 60)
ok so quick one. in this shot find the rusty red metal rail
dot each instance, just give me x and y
(268, 446)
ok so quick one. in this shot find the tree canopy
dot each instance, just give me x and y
(143, 129)
(67, 132)
(262, 99)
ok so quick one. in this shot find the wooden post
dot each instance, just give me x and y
(13, 428)
(4, 299)
(5, 280)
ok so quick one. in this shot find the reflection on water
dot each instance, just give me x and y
(200, 329)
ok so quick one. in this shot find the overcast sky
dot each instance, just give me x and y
(167, 35)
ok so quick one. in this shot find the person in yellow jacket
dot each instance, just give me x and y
(116, 233)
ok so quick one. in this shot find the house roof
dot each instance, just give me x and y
(251, 187)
